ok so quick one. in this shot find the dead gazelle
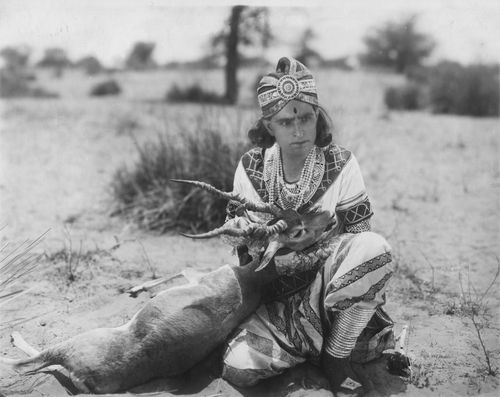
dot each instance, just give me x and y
(180, 325)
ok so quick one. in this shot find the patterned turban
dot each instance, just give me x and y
(292, 80)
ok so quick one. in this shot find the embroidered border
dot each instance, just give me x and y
(370, 294)
(290, 324)
(336, 157)
(287, 285)
(342, 253)
(310, 314)
(359, 271)
(276, 320)
(357, 213)
(295, 326)
(363, 226)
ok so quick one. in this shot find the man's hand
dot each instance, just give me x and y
(255, 230)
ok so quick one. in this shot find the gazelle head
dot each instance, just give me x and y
(287, 228)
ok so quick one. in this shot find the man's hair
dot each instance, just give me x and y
(259, 136)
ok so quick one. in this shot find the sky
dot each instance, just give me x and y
(465, 30)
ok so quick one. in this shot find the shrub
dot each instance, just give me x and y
(147, 196)
(418, 74)
(13, 84)
(466, 90)
(16, 57)
(90, 64)
(397, 44)
(194, 93)
(408, 96)
(109, 87)
(55, 58)
(141, 56)
(16, 84)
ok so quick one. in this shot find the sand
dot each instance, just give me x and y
(434, 182)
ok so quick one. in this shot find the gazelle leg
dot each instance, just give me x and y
(60, 373)
(18, 341)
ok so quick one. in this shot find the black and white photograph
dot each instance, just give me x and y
(244, 199)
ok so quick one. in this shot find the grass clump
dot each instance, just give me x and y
(147, 196)
(449, 88)
(194, 93)
(473, 305)
(69, 257)
(104, 88)
(466, 90)
(16, 262)
(408, 96)
(18, 84)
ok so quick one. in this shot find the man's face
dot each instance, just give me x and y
(294, 128)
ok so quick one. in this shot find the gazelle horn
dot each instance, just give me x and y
(276, 228)
(249, 205)
(229, 231)
(210, 188)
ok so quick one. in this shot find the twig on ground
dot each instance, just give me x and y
(146, 257)
(134, 291)
(431, 266)
(474, 308)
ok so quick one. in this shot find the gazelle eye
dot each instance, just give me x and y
(298, 233)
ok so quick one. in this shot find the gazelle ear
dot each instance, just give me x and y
(272, 248)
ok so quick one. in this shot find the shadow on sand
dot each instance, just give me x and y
(204, 379)
(307, 379)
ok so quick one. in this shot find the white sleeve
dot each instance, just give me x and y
(352, 185)
(239, 179)
(353, 206)
(243, 186)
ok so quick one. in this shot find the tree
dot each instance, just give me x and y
(248, 26)
(305, 52)
(54, 58)
(397, 45)
(90, 64)
(141, 56)
(14, 76)
(15, 57)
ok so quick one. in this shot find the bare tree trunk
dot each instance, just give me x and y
(232, 56)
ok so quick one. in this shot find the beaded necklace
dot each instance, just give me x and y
(293, 195)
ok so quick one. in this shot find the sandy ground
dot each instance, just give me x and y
(434, 183)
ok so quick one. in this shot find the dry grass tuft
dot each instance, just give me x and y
(146, 195)
(104, 88)
(195, 94)
(19, 84)
(474, 306)
(16, 261)
(75, 264)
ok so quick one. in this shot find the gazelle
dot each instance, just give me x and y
(182, 324)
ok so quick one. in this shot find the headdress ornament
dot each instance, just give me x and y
(292, 80)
